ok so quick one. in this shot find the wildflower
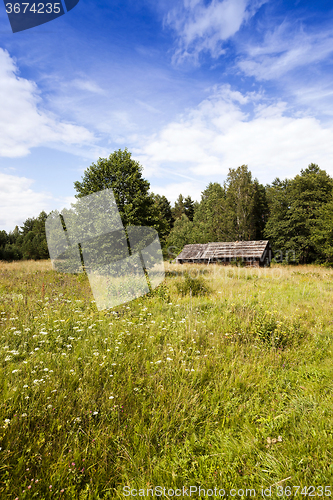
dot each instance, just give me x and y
(112, 397)
(95, 413)
(6, 422)
(169, 359)
(24, 415)
(14, 371)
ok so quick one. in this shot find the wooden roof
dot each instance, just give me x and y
(227, 250)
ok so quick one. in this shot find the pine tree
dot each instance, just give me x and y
(179, 208)
(296, 212)
(189, 208)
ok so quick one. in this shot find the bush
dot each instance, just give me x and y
(162, 292)
(192, 286)
(276, 332)
(10, 252)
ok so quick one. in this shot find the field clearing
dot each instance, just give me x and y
(228, 389)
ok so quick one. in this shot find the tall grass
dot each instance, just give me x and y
(229, 389)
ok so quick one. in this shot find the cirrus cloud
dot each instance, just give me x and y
(204, 28)
(285, 49)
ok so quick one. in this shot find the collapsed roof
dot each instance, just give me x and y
(225, 251)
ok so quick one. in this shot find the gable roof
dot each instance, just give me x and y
(226, 250)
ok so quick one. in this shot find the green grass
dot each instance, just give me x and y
(168, 390)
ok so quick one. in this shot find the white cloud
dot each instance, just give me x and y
(23, 122)
(18, 201)
(173, 190)
(203, 28)
(284, 50)
(219, 134)
(87, 85)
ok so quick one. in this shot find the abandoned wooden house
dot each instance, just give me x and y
(251, 253)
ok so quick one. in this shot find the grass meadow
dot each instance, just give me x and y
(231, 388)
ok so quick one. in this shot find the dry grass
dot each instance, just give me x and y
(167, 389)
(26, 266)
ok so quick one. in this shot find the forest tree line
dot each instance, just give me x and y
(296, 215)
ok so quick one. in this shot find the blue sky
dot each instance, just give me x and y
(190, 87)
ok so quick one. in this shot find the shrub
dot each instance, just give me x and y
(162, 292)
(276, 332)
(192, 286)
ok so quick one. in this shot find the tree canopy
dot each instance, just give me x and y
(28, 242)
(296, 214)
(124, 175)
